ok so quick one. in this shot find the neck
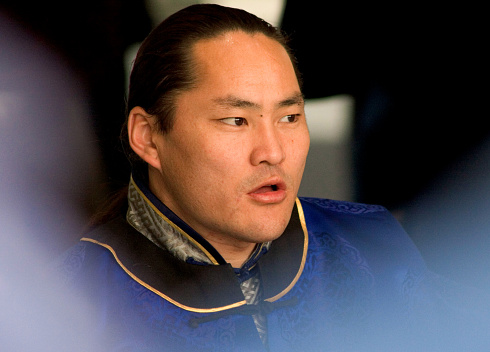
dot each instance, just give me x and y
(236, 253)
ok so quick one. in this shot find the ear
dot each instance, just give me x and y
(141, 127)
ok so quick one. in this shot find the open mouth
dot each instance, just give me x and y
(271, 192)
(267, 188)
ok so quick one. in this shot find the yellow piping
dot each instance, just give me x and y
(303, 260)
(134, 277)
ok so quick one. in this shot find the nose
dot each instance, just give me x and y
(267, 146)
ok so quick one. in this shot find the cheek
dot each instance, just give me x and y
(303, 151)
(223, 167)
(298, 151)
(214, 166)
(225, 152)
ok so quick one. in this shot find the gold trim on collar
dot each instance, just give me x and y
(177, 228)
(303, 259)
(144, 284)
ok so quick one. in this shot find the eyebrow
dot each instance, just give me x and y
(236, 102)
(296, 99)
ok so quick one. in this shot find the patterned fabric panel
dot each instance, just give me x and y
(253, 295)
(145, 220)
(345, 207)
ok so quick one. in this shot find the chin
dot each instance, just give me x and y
(267, 231)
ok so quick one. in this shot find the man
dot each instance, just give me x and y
(215, 251)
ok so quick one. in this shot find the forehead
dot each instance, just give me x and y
(241, 58)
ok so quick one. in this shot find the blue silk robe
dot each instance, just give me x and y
(342, 277)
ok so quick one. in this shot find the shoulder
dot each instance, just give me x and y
(89, 253)
(343, 213)
(371, 229)
(78, 260)
(351, 221)
(341, 206)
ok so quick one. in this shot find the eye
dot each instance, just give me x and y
(290, 118)
(234, 121)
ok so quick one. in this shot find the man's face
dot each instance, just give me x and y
(232, 163)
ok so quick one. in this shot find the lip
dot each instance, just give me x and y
(270, 191)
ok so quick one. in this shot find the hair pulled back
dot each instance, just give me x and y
(164, 65)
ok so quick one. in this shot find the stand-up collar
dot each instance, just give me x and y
(148, 215)
(178, 280)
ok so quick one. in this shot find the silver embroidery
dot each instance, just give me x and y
(252, 291)
(146, 221)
